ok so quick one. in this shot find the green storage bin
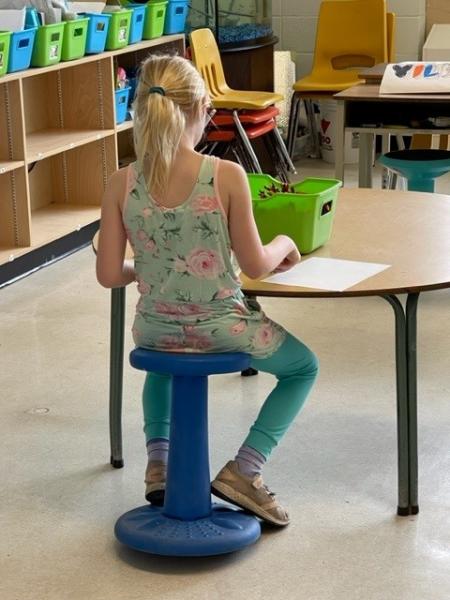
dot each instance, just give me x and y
(304, 212)
(5, 42)
(154, 20)
(48, 45)
(119, 29)
(74, 39)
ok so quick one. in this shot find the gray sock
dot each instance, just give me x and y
(250, 461)
(158, 449)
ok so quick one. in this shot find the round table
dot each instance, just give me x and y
(409, 231)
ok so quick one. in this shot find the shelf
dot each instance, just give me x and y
(125, 126)
(52, 222)
(42, 144)
(55, 220)
(10, 165)
(59, 144)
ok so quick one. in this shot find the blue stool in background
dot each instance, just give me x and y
(188, 524)
(420, 167)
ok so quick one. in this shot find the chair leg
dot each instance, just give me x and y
(283, 150)
(309, 107)
(277, 156)
(293, 124)
(246, 142)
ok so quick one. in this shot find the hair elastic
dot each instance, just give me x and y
(157, 90)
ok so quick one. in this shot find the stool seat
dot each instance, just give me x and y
(188, 524)
(419, 166)
(188, 363)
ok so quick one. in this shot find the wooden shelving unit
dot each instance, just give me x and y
(59, 143)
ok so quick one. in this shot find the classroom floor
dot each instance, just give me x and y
(335, 470)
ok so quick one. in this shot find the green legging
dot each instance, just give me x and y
(293, 364)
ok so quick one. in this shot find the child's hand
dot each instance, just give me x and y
(290, 261)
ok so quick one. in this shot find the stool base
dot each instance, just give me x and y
(225, 530)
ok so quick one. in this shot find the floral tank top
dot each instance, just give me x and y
(190, 296)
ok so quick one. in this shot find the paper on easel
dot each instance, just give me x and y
(416, 78)
(330, 274)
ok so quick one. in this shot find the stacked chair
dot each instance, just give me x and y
(352, 35)
(241, 115)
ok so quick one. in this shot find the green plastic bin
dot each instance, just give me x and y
(305, 213)
(74, 39)
(154, 20)
(5, 42)
(48, 45)
(119, 29)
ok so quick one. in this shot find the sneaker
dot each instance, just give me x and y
(155, 482)
(248, 493)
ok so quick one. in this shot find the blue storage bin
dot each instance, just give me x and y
(32, 18)
(21, 49)
(97, 32)
(122, 104)
(137, 22)
(176, 14)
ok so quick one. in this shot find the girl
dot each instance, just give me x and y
(184, 214)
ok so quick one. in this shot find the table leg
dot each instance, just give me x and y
(385, 148)
(339, 151)
(116, 375)
(366, 141)
(406, 366)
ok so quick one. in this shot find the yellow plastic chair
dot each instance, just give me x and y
(206, 58)
(351, 35)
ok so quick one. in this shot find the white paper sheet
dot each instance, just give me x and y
(327, 274)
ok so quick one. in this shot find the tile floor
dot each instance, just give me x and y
(336, 470)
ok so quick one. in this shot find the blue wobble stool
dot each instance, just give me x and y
(188, 524)
(420, 167)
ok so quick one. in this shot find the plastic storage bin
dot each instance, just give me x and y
(176, 13)
(48, 45)
(137, 22)
(154, 20)
(122, 104)
(74, 40)
(119, 29)
(305, 212)
(5, 41)
(97, 32)
(21, 49)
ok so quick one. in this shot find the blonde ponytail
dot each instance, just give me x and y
(169, 95)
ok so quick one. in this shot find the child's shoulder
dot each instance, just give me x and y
(121, 183)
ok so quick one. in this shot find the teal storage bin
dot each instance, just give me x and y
(304, 211)
(176, 14)
(137, 22)
(97, 32)
(122, 97)
(21, 49)
(74, 40)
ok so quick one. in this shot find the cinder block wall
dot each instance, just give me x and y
(294, 23)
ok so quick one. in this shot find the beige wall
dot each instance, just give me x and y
(295, 24)
(437, 11)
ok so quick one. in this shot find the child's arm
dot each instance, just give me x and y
(112, 270)
(255, 259)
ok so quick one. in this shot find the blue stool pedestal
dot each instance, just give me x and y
(225, 530)
(420, 167)
(188, 524)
